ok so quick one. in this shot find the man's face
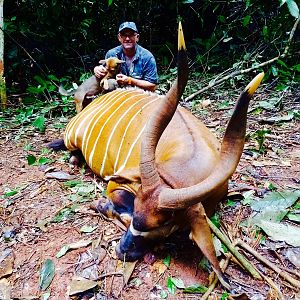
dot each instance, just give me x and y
(128, 38)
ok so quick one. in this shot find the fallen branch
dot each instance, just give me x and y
(246, 264)
(280, 272)
(239, 72)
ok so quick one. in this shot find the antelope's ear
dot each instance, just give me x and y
(102, 61)
(201, 235)
(119, 61)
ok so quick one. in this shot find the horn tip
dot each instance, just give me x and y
(253, 85)
(181, 42)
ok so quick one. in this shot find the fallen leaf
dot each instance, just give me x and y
(46, 274)
(128, 270)
(81, 285)
(45, 296)
(87, 229)
(60, 175)
(6, 263)
(281, 232)
(160, 266)
(42, 225)
(205, 103)
(293, 255)
(72, 246)
(5, 289)
(279, 199)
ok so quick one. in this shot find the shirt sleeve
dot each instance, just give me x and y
(150, 71)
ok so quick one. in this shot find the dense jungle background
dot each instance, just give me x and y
(52, 245)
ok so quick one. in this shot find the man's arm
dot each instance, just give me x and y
(130, 81)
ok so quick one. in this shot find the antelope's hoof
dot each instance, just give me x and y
(223, 280)
(105, 207)
(74, 161)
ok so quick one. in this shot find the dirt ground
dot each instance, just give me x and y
(30, 235)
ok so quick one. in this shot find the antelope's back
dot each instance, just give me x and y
(109, 131)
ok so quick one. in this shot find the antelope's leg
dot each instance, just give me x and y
(201, 235)
(118, 204)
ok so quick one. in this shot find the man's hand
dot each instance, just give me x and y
(123, 79)
(100, 71)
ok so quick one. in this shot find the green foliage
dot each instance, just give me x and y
(47, 273)
(195, 289)
(213, 30)
(260, 137)
(174, 283)
(167, 260)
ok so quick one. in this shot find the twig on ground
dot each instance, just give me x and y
(238, 72)
(108, 275)
(247, 265)
(283, 274)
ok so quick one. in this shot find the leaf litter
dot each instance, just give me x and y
(37, 238)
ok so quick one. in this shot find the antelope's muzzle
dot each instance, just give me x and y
(132, 247)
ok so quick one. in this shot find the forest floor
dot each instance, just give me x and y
(42, 212)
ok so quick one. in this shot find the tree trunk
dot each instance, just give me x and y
(3, 97)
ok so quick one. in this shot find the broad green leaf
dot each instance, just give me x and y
(281, 232)
(52, 77)
(225, 296)
(293, 8)
(167, 260)
(46, 274)
(278, 200)
(39, 123)
(40, 80)
(10, 193)
(248, 197)
(171, 286)
(72, 183)
(178, 282)
(230, 203)
(195, 288)
(163, 294)
(297, 67)
(273, 207)
(204, 264)
(282, 63)
(246, 20)
(31, 159)
(45, 296)
(44, 160)
(110, 2)
(222, 19)
(293, 217)
(265, 31)
(266, 105)
(216, 220)
(86, 189)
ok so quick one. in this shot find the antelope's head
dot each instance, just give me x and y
(112, 65)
